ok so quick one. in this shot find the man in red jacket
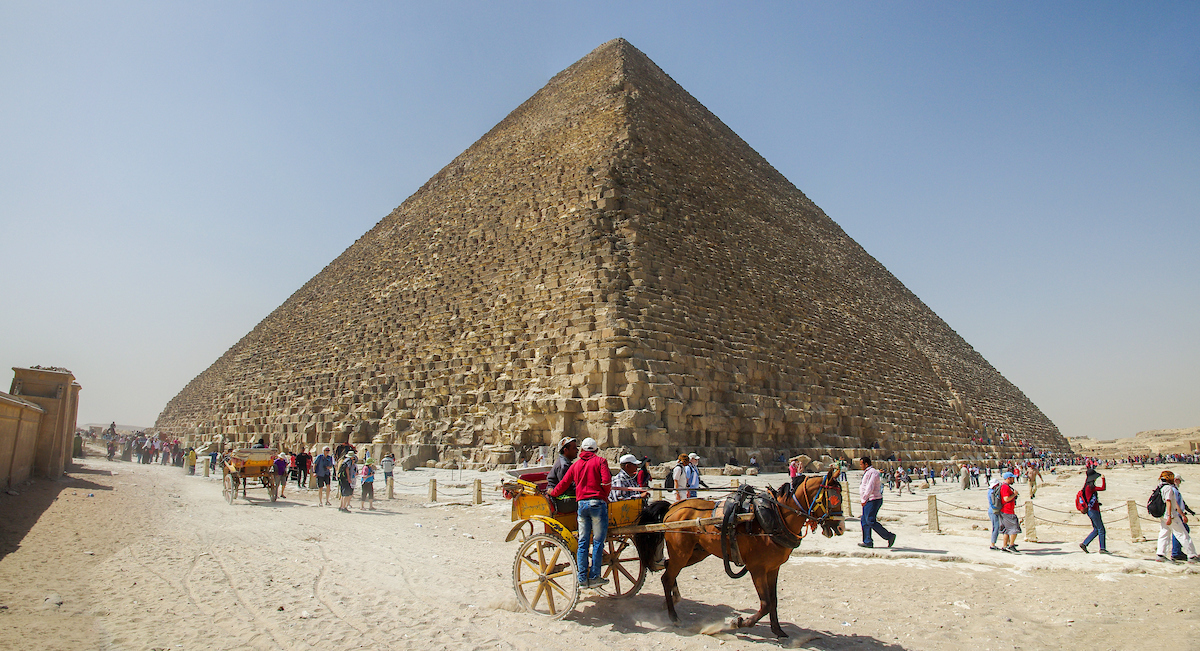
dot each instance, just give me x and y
(593, 482)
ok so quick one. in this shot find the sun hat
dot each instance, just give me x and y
(693, 456)
(994, 483)
(589, 444)
(629, 458)
(1167, 476)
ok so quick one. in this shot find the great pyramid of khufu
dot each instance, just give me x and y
(611, 261)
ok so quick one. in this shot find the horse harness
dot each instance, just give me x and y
(768, 514)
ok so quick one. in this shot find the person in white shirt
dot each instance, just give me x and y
(871, 495)
(1172, 521)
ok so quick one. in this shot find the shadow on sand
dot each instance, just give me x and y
(646, 612)
(18, 513)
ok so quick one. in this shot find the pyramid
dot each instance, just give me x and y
(612, 261)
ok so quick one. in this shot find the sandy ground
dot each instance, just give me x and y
(122, 556)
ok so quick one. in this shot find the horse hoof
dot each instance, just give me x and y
(737, 622)
(780, 633)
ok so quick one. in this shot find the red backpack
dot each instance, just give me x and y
(1081, 504)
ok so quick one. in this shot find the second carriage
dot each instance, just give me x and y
(244, 465)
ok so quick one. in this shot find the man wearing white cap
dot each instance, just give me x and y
(593, 483)
(625, 486)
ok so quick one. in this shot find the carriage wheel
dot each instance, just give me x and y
(228, 491)
(622, 567)
(272, 487)
(544, 577)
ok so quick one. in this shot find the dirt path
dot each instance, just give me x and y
(172, 566)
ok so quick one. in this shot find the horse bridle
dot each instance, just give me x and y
(822, 493)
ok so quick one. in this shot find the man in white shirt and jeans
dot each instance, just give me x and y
(871, 494)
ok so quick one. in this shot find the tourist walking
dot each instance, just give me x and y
(593, 483)
(388, 465)
(367, 486)
(994, 504)
(965, 477)
(1091, 497)
(323, 470)
(686, 476)
(346, 472)
(870, 492)
(1010, 526)
(1172, 522)
(303, 462)
(1176, 548)
(281, 471)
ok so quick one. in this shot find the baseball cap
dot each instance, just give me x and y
(1007, 475)
(589, 444)
(629, 458)
(693, 456)
(562, 445)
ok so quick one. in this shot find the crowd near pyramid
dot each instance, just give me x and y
(610, 261)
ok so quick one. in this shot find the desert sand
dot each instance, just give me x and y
(124, 556)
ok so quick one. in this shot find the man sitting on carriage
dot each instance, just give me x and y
(625, 485)
(567, 450)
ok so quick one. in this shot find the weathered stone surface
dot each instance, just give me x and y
(610, 261)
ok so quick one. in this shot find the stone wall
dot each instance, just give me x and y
(37, 423)
(19, 422)
(609, 261)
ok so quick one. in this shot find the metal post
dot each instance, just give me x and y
(1030, 523)
(1135, 525)
(478, 498)
(934, 525)
(433, 489)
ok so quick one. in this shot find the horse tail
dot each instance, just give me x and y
(648, 544)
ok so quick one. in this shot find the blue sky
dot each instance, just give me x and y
(171, 172)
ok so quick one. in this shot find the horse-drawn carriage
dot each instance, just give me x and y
(243, 465)
(544, 570)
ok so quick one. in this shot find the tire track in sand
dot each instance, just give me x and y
(319, 594)
(255, 612)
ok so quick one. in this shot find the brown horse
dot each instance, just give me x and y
(816, 502)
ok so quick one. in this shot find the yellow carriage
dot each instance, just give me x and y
(241, 466)
(544, 571)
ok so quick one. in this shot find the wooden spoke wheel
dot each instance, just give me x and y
(228, 488)
(544, 576)
(622, 567)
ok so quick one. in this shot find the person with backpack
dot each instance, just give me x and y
(994, 511)
(1091, 501)
(346, 471)
(1010, 526)
(366, 482)
(686, 477)
(1172, 520)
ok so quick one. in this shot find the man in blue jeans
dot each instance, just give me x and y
(871, 493)
(592, 481)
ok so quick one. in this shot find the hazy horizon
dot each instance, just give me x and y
(172, 173)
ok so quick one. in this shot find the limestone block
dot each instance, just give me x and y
(752, 472)
(733, 471)
(635, 418)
